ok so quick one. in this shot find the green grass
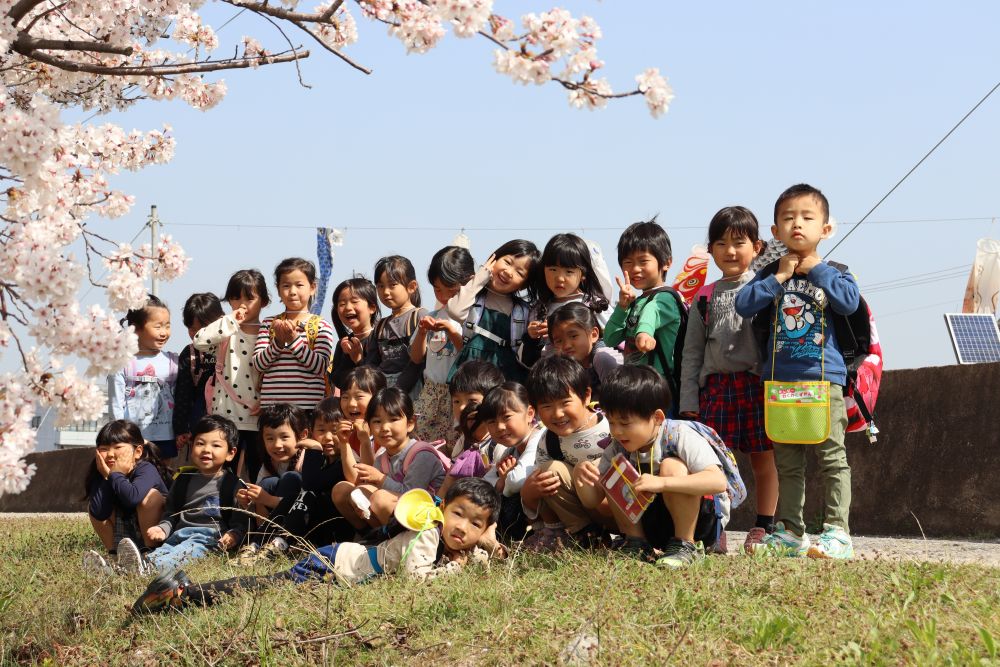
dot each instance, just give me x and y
(525, 611)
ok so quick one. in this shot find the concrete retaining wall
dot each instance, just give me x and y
(937, 462)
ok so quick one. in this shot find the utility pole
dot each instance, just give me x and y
(154, 228)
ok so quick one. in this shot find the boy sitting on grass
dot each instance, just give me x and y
(470, 508)
(198, 516)
(677, 463)
(559, 391)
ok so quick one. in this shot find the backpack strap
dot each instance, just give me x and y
(552, 446)
(421, 446)
(702, 298)
(227, 496)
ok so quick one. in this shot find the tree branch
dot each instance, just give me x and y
(161, 70)
(278, 12)
(21, 9)
(339, 54)
(25, 44)
(331, 10)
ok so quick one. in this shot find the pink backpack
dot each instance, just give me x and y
(382, 460)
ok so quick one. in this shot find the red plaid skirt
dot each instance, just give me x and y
(733, 405)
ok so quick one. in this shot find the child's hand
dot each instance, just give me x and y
(540, 484)
(786, 267)
(309, 443)
(807, 264)
(538, 329)
(362, 431)
(253, 493)
(183, 440)
(693, 416)
(155, 534)
(102, 467)
(650, 484)
(489, 263)
(626, 296)
(352, 347)
(427, 324)
(243, 498)
(227, 541)
(345, 429)
(587, 473)
(369, 475)
(240, 314)
(285, 331)
(505, 466)
(645, 343)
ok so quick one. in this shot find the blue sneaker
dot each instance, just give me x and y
(783, 543)
(833, 543)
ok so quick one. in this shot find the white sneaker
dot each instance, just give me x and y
(784, 543)
(130, 559)
(833, 543)
(96, 565)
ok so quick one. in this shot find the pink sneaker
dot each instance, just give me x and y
(754, 538)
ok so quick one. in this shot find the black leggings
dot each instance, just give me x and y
(205, 595)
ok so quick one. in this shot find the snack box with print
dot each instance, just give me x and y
(619, 481)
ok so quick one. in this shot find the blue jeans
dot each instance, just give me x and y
(183, 546)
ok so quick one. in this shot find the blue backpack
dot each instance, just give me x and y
(735, 487)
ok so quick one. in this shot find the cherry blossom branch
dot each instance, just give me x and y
(572, 85)
(339, 54)
(159, 70)
(21, 9)
(298, 70)
(42, 15)
(331, 10)
(25, 45)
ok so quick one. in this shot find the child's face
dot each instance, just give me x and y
(510, 274)
(210, 451)
(354, 311)
(460, 399)
(643, 269)
(464, 523)
(442, 292)
(563, 281)
(196, 326)
(572, 340)
(252, 303)
(279, 441)
(512, 426)
(733, 254)
(155, 333)
(394, 295)
(326, 433)
(633, 431)
(565, 415)
(120, 457)
(801, 225)
(354, 403)
(390, 431)
(295, 291)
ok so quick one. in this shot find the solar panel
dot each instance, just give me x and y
(974, 336)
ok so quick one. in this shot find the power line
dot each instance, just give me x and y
(907, 175)
(882, 316)
(962, 267)
(458, 228)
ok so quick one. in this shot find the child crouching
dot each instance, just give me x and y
(198, 516)
(470, 507)
(692, 478)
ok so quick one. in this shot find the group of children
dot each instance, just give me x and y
(522, 399)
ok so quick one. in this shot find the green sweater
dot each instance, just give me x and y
(658, 317)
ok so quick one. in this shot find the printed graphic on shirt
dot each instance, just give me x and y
(800, 327)
(211, 507)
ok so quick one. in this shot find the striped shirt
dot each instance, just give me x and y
(295, 374)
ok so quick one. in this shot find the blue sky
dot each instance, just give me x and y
(846, 96)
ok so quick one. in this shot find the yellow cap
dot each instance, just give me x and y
(416, 510)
